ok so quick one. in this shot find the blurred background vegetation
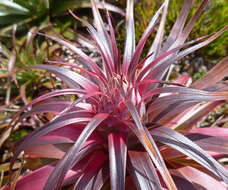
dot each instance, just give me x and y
(21, 46)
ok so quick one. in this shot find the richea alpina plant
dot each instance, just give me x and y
(129, 127)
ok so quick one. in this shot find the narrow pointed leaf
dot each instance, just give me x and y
(156, 46)
(97, 79)
(143, 171)
(178, 26)
(57, 176)
(181, 181)
(146, 34)
(158, 72)
(164, 57)
(209, 143)
(186, 146)
(45, 97)
(188, 119)
(44, 151)
(114, 45)
(37, 178)
(216, 74)
(101, 45)
(152, 149)
(100, 26)
(67, 119)
(73, 79)
(165, 101)
(95, 174)
(47, 107)
(217, 132)
(202, 180)
(130, 35)
(12, 8)
(76, 50)
(103, 34)
(183, 36)
(117, 159)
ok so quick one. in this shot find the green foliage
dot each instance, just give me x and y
(29, 51)
(199, 74)
(213, 19)
(20, 133)
(28, 13)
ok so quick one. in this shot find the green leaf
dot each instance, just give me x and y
(9, 7)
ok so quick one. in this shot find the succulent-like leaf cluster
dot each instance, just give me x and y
(130, 127)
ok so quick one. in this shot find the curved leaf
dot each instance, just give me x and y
(9, 7)
(181, 143)
(73, 79)
(150, 146)
(178, 26)
(146, 34)
(74, 117)
(209, 142)
(56, 178)
(157, 43)
(216, 74)
(201, 180)
(78, 51)
(95, 174)
(143, 171)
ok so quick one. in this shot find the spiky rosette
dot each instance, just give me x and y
(123, 126)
